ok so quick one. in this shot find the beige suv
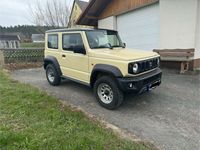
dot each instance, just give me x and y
(99, 59)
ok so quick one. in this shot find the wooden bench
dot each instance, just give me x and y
(181, 55)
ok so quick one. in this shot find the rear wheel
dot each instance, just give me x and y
(52, 75)
(108, 93)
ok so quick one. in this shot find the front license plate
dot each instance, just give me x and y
(153, 85)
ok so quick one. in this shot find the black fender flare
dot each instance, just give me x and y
(54, 61)
(103, 68)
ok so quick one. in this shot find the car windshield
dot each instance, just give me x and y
(103, 39)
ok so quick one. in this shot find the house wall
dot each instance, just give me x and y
(4, 44)
(75, 15)
(178, 23)
(108, 23)
(9, 44)
(1, 44)
(197, 47)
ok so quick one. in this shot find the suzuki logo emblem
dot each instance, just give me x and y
(150, 64)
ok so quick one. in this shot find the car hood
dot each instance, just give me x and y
(122, 54)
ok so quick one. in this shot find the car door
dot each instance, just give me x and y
(74, 64)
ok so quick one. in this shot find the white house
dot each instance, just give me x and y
(9, 41)
(149, 24)
(37, 38)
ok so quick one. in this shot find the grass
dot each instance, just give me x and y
(30, 119)
(32, 45)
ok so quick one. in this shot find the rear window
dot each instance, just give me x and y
(53, 41)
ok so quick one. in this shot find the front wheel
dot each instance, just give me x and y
(52, 75)
(108, 93)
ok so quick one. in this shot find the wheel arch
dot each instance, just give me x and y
(54, 61)
(101, 69)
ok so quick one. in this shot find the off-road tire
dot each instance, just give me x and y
(118, 95)
(57, 79)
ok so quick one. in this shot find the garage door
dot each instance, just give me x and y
(140, 28)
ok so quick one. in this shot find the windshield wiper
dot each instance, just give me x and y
(110, 46)
(100, 47)
(116, 46)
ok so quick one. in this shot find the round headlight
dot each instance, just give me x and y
(135, 68)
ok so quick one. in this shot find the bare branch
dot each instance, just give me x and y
(54, 13)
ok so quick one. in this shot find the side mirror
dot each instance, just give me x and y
(80, 49)
(124, 45)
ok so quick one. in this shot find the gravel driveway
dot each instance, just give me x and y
(169, 116)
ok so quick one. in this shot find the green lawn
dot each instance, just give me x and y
(32, 45)
(30, 119)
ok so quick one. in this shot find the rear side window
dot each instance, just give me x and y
(72, 40)
(53, 41)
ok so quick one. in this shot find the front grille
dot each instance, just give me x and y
(144, 65)
(148, 65)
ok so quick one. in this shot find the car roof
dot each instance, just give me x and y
(74, 29)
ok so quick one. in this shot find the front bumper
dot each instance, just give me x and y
(141, 83)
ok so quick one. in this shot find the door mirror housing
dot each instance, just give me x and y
(124, 45)
(80, 49)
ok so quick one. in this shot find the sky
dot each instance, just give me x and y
(16, 12)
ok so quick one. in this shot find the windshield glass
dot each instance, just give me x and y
(103, 39)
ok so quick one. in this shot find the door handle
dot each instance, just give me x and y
(63, 55)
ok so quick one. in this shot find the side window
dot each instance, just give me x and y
(71, 41)
(53, 41)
